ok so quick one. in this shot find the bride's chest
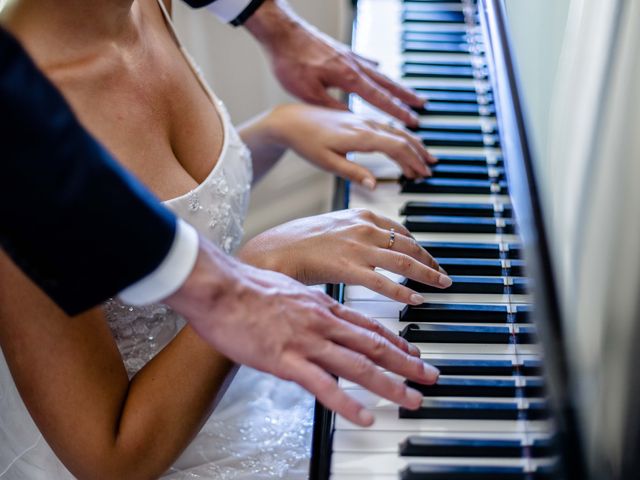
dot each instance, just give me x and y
(150, 110)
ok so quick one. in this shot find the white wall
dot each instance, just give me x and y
(239, 73)
(538, 30)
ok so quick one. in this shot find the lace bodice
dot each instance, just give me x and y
(216, 208)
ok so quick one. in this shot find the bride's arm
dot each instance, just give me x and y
(325, 136)
(72, 379)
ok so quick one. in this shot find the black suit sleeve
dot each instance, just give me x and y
(72, 219)
(249, 10)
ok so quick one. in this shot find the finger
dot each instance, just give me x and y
(384, 286)
(325, 388)
(397, 148)
(350, 170)
(385, 223)
(409, 246)
(371, 349)
(377, 96)
(408, 267)
(416, 141)
(359, 369)
(404, 94)
(319, 95)
(369, 61)
(362, 321)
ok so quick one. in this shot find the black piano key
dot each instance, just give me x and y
(476, 367)
(462, 284)
(531, 367)
(514, 252)
(435, 37)
(457, 109)
(452, 96)
(480, 387)
(453, 185)
(456, 224)
(453, 208)
(449, 127)
(432, 17)
(462, 249)
(520, 285)
(423, 446)
(411, 69)
(471, 172)
(419, 471)
(448, 89)
(472, 266)
(460, 410)
(454, 312)
(516, 268)
(437, 333)
(435, 47)
(471, 160)
(449, 139)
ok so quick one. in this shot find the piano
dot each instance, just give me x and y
(500, 409)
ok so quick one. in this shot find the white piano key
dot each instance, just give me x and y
(356, 292)
(470, 348)
(387, 420)
(387, 463)
(388, 442)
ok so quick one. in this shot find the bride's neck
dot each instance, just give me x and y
(72, 23)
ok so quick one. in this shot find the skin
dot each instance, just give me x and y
(308, 63)
(125, 78)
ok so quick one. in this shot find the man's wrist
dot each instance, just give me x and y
(168, 277)
(273, 21)
(213, 275)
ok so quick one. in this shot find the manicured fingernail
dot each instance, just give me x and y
(369, 183)
(431, 372)
(413, 350)
(445, 281)
(365, 417)
(414, 397)
(417, 299)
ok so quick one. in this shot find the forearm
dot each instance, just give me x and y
(261, 137)
(274, 21)
(168, 400)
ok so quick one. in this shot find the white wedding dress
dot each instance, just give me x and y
(261, 427)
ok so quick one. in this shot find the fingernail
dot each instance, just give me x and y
(365, 417)
(417, 299)
(442, 270)
(431, 372)
(414, 397)
(445, 281)
(369, 183)
(413, 350)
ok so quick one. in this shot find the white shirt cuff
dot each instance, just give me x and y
(169, 276)
(228, 10)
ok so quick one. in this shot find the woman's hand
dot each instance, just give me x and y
(325, 136)
(346, 246)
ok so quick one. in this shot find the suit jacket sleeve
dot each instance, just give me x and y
(80, 226)
(235, 12)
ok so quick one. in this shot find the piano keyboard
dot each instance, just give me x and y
(487, 418)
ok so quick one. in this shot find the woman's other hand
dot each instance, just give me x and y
(346, 246)
(325, 136)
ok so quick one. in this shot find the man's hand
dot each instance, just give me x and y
(271, 322)
(307, 62)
